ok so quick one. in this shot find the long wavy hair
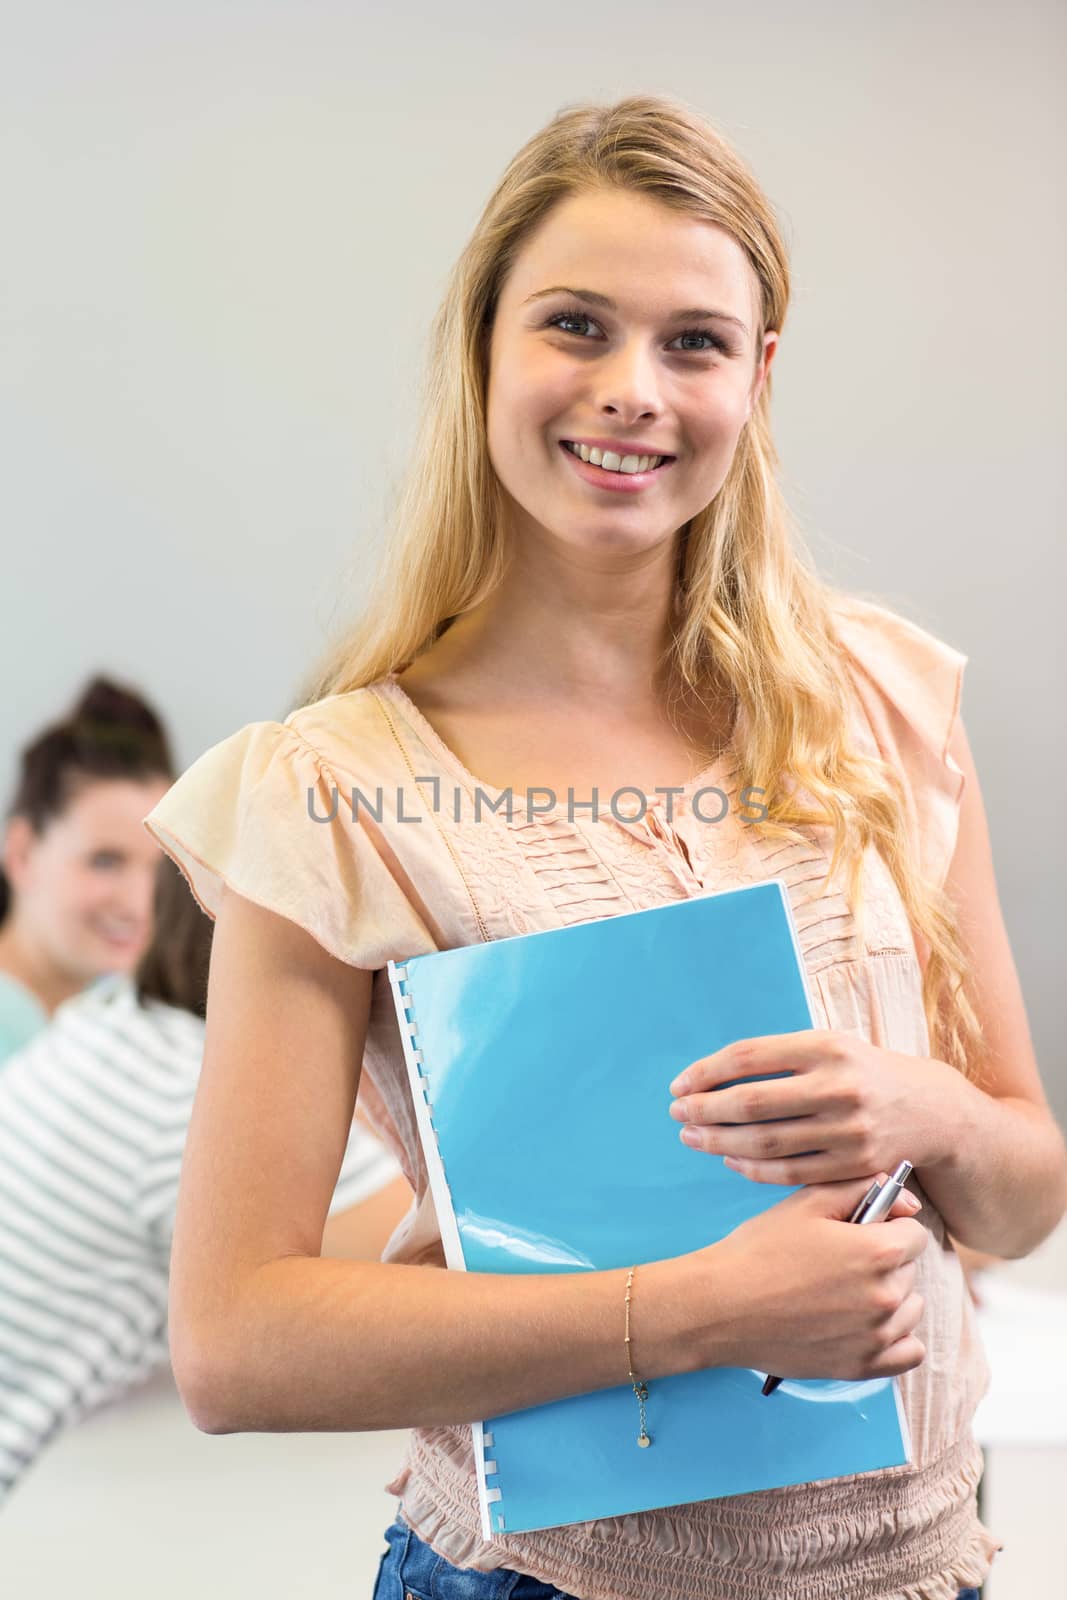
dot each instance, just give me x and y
(751, 614)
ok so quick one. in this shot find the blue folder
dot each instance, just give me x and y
(540, 1068)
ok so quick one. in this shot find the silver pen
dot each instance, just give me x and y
(876, 1203)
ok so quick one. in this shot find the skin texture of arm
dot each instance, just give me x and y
(1000, 1177)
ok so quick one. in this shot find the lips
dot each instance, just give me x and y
(609, 482)
(118, 936)
(616, 472)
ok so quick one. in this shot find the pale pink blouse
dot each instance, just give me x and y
(370, 890)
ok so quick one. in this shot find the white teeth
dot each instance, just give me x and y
(612, 462)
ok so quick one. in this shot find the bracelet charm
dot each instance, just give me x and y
(644, 1439)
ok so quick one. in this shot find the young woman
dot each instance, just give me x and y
(78, 872)
(564, 615)
(93, 1118)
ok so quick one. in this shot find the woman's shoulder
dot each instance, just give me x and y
(102, 1043)
(340, 725)
(863, 617)
(111, 1011)
(270, 813)
(909, 683)
(352, 736)
(912, 670)
(269, 765)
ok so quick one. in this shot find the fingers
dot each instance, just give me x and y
(900, 1357)
(889, 1245)
(899, 1239)
(897, 1285)
(893, 1337)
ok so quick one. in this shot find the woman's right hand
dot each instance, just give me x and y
(800, 1292)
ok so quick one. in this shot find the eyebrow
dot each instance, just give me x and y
(694, 313)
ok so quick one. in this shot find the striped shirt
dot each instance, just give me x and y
(93, 1117)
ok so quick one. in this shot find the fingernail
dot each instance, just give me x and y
(913, 1200)
(680, 1084)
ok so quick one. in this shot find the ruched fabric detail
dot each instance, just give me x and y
(824, 1541)
(427, 873)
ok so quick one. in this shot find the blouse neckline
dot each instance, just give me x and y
(400, 697)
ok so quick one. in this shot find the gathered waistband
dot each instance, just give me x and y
(901, 1533)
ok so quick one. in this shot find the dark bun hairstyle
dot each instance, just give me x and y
(111, 732)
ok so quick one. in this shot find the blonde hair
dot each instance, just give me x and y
(751, 615)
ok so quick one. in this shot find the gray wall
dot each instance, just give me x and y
(226, 231)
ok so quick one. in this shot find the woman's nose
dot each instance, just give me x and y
(628, 384)
(136, 898)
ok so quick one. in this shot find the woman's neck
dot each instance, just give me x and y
(554, 628)
(22, 959)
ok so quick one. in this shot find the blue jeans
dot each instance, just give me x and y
(410, 1567)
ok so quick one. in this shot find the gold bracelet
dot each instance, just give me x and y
(640, 1389)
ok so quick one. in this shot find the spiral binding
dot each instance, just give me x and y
(401, 974)
(493, 1493)
(399, 977)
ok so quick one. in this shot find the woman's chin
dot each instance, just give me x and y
(116, 955)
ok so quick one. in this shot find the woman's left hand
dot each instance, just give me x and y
(848, 1108)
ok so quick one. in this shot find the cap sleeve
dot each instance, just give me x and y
(909, 685)
(244, 815)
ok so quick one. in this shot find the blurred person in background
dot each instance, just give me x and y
(78, 871)
(93, 1118)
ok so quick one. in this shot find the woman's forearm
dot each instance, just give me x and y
(997, 1172)
(313, 1344)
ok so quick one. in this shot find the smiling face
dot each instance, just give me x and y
(565, 367)
(84, 887)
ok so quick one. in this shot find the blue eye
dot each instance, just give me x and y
(715, 341)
